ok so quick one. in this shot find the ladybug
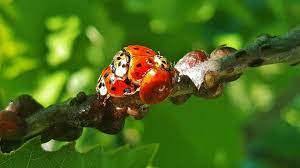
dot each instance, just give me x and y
(137, 69)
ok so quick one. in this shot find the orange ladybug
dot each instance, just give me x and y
(137, 69)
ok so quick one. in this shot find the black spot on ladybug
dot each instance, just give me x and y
(127, 81)
(136, 48)
(256, 62)
(139, 65)
(126, 90)
(101, 85)
(105, 75)
(124, 65)
(136, 86)
(149, 61)
(148, 52)
(113, 89)
(118, 58)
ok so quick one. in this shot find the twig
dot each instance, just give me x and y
(196, 75)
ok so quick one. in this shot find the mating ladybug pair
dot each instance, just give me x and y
(137, 69)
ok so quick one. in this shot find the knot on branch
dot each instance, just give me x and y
(207, 82)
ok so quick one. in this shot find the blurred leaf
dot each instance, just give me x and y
(133, 131)
(270, 71)
(19, 66)
(261, 96)
(278, 8)
(291, 113)
(158, 26)
(91, 138)
(10, 47)
(32, 156)
(237, 92)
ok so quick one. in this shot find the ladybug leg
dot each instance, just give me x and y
(119, 112)
(105, 99)
(138, 112)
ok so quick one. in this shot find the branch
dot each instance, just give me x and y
(196, 74)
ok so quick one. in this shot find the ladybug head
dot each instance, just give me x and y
(162, 62)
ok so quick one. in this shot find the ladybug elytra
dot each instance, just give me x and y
(137, 69)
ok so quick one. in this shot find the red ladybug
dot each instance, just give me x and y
(156, 86)
(137, 69)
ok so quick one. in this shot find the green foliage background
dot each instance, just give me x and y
(53, 49)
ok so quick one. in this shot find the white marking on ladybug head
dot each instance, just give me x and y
(103, 91)
(122, 68)
(118, 54)
(101, 88)
(120, 64)
(162, 62)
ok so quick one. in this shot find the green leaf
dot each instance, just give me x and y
(31, 155)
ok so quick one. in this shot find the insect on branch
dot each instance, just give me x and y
(197, 73)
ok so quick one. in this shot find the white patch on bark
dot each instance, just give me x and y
(195, 70)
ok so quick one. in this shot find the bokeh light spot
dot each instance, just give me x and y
(49, 88)
(158, 26)
(60, 41)
(232, 40)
